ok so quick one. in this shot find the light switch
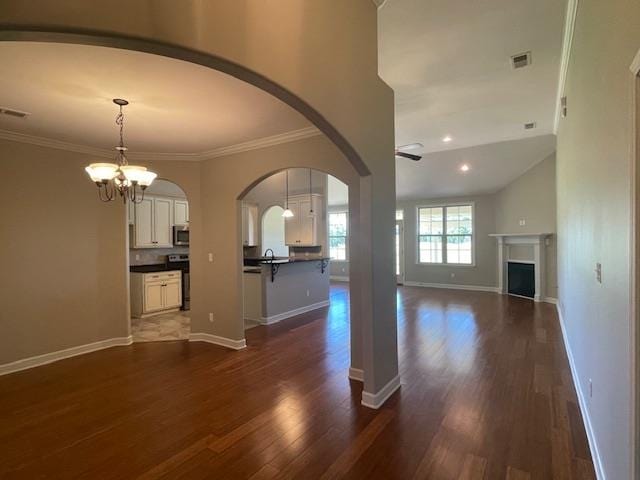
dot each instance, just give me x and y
(598, 272)
(211, 257)
(523, 222)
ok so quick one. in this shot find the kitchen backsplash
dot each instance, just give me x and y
(151, 256)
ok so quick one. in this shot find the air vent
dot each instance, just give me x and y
(530, 126)
(521, 60)
(13, 113)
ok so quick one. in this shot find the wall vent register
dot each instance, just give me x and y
(521, 60)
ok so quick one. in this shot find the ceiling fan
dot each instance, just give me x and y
(400, 151)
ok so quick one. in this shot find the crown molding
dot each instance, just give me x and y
(287, 137)
(567, 43)
(635, 65)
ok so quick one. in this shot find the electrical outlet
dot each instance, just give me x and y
(598, 271)
(453, 275)
(211, 257)
(590, 388)
(211, 317)
(137, 256)
(523, 222)
(307, 293)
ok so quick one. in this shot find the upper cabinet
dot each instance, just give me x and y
(249, 225)
(180, 212)
(153, 219)
(301, 230)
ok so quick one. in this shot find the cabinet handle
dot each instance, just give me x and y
(163, 285)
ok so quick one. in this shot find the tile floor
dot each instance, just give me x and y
(166, 326)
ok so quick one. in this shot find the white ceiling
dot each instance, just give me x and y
(491, 167)
(176, 107)
(448, 62)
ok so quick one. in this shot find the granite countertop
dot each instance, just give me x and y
(158, 267)
(282, 260)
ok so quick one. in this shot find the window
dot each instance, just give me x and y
(338, 235)
(445, 234)
(399, 214)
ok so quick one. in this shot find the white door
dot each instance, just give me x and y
(307, 224)
(143, 228)
(172, 294)
(153, 296)
(162, 208)
(399, 252)
(292, 225)
(180, 212)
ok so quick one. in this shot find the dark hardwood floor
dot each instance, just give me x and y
(486, 394)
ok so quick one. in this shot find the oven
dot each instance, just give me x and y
(180, 235)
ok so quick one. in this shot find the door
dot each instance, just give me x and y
(180, 212)
(153, 296)
(399, 252)
(162, 222)
(143, 227)
(172, 294)
(306, 232)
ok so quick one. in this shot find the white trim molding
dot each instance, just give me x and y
(567, 42)
(591, 437)
(287, 137)
(339, 278)
(292, 313)
(356, 374)
(376, 400)
(477, 288)
(635, 65)
(216, 340)
(46, 358)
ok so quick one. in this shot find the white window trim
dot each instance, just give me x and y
(444, 250)
(346, 237)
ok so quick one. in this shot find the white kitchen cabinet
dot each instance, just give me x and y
(180, 212)
(249, 225)
(155, 292)
(131, 212)
(302, 230)
(153, 222)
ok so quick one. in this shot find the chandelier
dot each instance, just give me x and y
(120, 177)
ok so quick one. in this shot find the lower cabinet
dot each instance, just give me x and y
(155, 292)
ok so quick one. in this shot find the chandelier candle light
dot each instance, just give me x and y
(120, 177)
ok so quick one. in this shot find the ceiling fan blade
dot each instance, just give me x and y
(410, 156)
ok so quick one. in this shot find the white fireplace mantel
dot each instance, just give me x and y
(537, 241)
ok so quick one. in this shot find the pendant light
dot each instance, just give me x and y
(120, 177)
(287, 212)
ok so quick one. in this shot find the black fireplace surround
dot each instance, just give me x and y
(521, 279)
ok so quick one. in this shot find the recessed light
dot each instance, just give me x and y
(447, 139)
(464, 167)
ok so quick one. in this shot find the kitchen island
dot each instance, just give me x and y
(282, 287)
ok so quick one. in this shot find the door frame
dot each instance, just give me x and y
(634, 327)
(400, 253)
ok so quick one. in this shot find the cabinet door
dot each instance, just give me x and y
(153, 296)
(143, 228)
(172, 293)
(307, 224)
(292, 225)
(162, 208)
(180, 212)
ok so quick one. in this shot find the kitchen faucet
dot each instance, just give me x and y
(272, 254)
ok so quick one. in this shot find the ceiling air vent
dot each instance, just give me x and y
(530, 126)
(13, 113)
(521, 60)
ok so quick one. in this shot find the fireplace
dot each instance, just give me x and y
(520, 274)
(521, 279)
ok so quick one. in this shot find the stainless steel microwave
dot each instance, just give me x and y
(180, 235)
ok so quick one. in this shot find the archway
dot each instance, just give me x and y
(209, 34)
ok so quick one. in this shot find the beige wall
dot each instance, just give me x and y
(276, 46)
(532, 198)
(482, 274)
(594, 211)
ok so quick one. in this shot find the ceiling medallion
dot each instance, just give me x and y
(120, 177)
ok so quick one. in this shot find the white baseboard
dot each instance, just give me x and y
(593, 446)
(216, 340)
(550, 300)
(339, 278)
(292, 313)
(477, 288)
(356, 374)
(376, 400)
(38, 360)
